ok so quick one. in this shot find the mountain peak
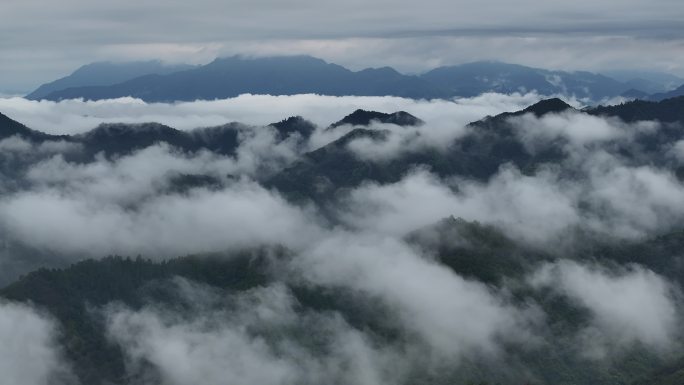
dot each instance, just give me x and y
(294, 124)
(364, 118)
(117, 129)
(634, 93)
(106, 74)
(546, 106)
(382, 70)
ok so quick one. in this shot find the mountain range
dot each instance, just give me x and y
(318, 174)
(289, 75)
(78, 296)
(105, 74)
(492, 143)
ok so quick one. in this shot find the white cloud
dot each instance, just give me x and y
(578, 128)
(124, 207)
(77, 116)
(123, 204)
(630, 202)
(241, 215)
(247, 341)
(29, 352)
(533, 207)
(591, 188)
(677, 151)
(18, 145)
(583, 139)
(629, 305)
(457, 318)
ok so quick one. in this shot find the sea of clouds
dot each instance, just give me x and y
(69, 211)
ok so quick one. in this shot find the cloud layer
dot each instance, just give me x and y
(627, 306)
(356, 245)
(77, 116)
(127, 205)
(29, 353)
(235, 341)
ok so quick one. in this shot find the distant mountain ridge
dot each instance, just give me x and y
(648, 82)
(232, 76)
(105, 74)
(473, 79)
(679, 91)
(289, 75)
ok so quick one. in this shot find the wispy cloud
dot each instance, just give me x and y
(30, 353)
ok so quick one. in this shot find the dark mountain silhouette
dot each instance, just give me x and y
(9, 127)
(292, 125)
(541, 108)
(318, 174)
(123, 139)
(289, 75)
(105, 74)
(491, 143)
(364, 118)
(119, 139)
(668, 110)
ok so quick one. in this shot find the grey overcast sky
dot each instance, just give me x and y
(41, 40)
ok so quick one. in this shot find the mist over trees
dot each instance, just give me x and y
(494, 239)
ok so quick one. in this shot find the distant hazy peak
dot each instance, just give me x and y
(106, 74)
